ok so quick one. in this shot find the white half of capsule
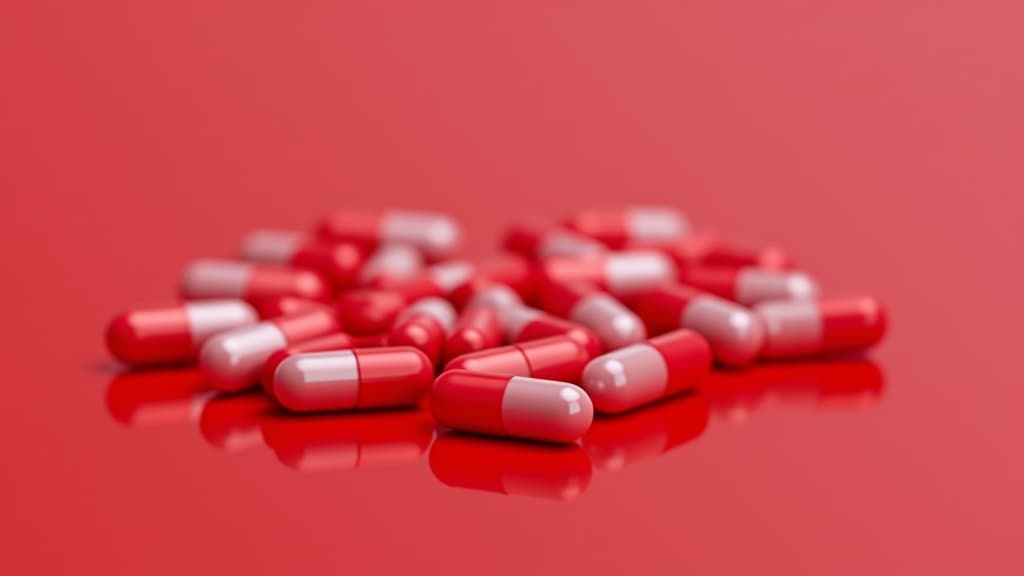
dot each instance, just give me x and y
(792, 328)
(450, 275)
(625, 378)
(653, 223)
(627, 272)
(400, 262)
(435, 234)
(318, 381)
(734, 333)
(498, 298)
(539, 409)
(437, 308)
(209, 317)
(754, 285)
(613, 323)
(234, 357)
(514, 319)
(271, 246)
(215, 279)
(560, 242)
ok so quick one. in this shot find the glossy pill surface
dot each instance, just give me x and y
(338, 262)
(614, 324)
(618, 272)
(336, 341)
(353, 379)
(750, 285)
(522, 323)
(807, 328)
(648, 371)
(516, 406)
(171, 334)
(436, 235)
(478, 328)
(616, 228)
(554, 358)
(425, 324)
(210, 278)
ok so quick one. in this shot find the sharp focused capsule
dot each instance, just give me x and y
(478, 328)
(615, 325)
(516, 406)
(231, 360)
(230, 279)
(749, 285)
(338, 262)
(425, 325)
(553, 358)
(522, 323)
(353, 379)
(616, 228)
(735, 334)
(806, 328)
(390, 265)
(618, 272)
(643, 373)
(171, 334)
(436, 235)
(537, 241)
(337, 341)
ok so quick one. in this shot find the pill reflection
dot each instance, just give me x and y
(348, 441)
(510, 467)
(847, 383)
(615, 442)
(146, 398)
(232, 422)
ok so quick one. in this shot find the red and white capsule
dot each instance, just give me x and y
(497, 297)
(807, 328)
(539, 241)
(646, 224)
(749, 285)
(336, 341)
(171, 334)
(231, 360)
(204, 279)
(618, 272)
(353, 379)
(338, 262)
(425, 325)
(734, 332)
(478, 328)
(369, 311)
(517, 406)
(436, 235)
(522, 323)
(615, 325)
(643, 373)
(553, 358)
(712, 250)
(391, 265)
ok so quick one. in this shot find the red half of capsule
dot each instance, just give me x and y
(478, 328)
(369, 311)
(421, 331)
(276, 307)
(337, 262)
(552, 358)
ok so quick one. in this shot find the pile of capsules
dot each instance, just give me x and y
(606, 311)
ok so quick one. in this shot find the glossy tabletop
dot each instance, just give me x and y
(880, 141)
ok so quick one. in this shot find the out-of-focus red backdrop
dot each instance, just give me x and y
(881, 141)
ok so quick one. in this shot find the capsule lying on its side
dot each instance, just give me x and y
(390, 265)
(425, 325)
(559, 358)
(539, 241)
(209, 278)
(648, 371)
(516, 406)
(353, 379)
(336, 341)
(614, 324)
(618, 272)
(338, 262)
(478, 328)
(807, 328)
(173, 334)
(522, 323)
(616, 228)
(436, 235)
(750, 285)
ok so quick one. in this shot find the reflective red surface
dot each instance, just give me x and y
(879, 142)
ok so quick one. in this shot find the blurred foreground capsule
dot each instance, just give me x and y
(204, 279)
(390, 265)
(516, 406)
(749, 285)
(522, 323)
(172, 334)
(311, 443)
(336, 262)
(478, 328)
(648, 371)
(618, 272)
(614, 324)
(353, 379)
(735, 334)
(425, 325)
(497, 297)
(553, 358)
(157, 397)
(614, 443)
(616, 228)
(337, 341)
(436, 235)
(232, 422)
(509, 467)
(231, 360)
(539, 241)
(270, 308)
(807, 328)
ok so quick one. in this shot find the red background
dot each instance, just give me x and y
(880, 140)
